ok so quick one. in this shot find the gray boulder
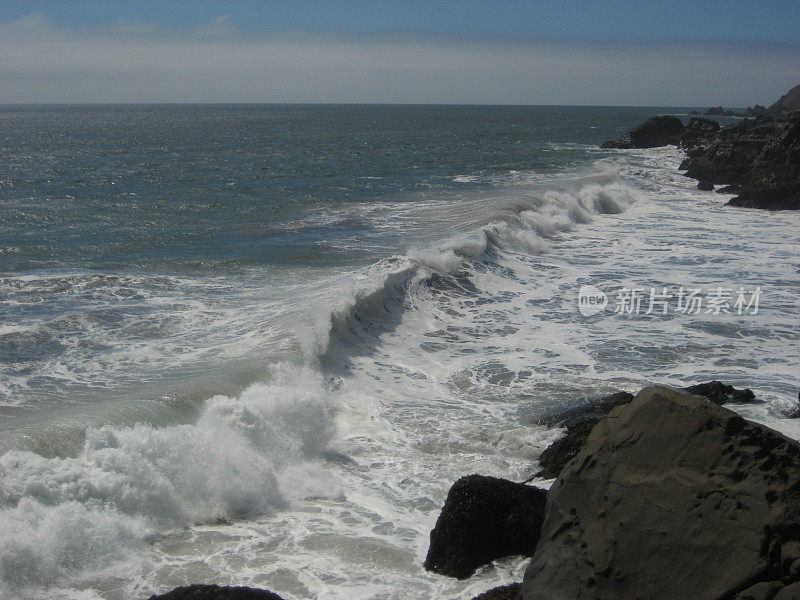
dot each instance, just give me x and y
(672, 497)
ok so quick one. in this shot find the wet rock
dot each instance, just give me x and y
(658, 131)
(484, 518)
(580, 421)
(564, 449)
(504, 592)
(773, 181)
(215, 592)
(672, 497)
(697, 134)
(760, 158)
(720, 393)
(592, 410)
(795, 412)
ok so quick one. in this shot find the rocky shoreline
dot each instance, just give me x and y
(757, 159)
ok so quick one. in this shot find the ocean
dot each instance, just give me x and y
(256, 344)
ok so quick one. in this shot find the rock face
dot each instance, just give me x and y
(581, 420)
(579, 423)
(788, 103)
(672, 497)
(719, 393)
(484, 518)
(658, 131)
(504, 592)
(698, 133)
(215, 592)
(758, 158)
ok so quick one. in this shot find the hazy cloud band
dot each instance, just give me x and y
(140, 63)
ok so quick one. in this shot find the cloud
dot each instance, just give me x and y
(40, 62)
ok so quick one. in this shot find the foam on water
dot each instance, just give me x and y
(324, 480)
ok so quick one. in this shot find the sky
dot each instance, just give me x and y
(691, 53)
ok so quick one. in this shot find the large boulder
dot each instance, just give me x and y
(216, 592)
(658, 131)
(672, 497)
(484, 518)
(580, 421)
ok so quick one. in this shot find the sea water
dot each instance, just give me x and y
(255, 345)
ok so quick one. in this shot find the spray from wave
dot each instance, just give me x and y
(256, 453)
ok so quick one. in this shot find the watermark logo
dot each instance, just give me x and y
(591, 300)
(659, 301)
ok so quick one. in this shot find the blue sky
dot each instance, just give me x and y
(733, 52)
(775, 21)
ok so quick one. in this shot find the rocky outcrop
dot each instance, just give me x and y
(720, 393)
(787, 103)
(698, 134)
(580, 421)
(718, 111)
(216, 592)
(672, 497)
(774, 179)
(658, 131)
(504, 592)
(758, 158)
(484, 518)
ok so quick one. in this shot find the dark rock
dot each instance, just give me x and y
(581, 420)
(765, 590)
(755, 111)
(592, 410)
(564, 449)
(773, 181)
(215, 592)
(658, 131)
(718, 111)
(795, 413)
(504, 592)
(698, 133)
(788, 103)
(484, 518)
(790, 592)
(672, 497)
(706, 186)
(759, 158)
(719, 393)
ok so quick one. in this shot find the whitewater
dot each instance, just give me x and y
(297, 427)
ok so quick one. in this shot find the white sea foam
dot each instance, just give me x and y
(421, 368)
(244, 456)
